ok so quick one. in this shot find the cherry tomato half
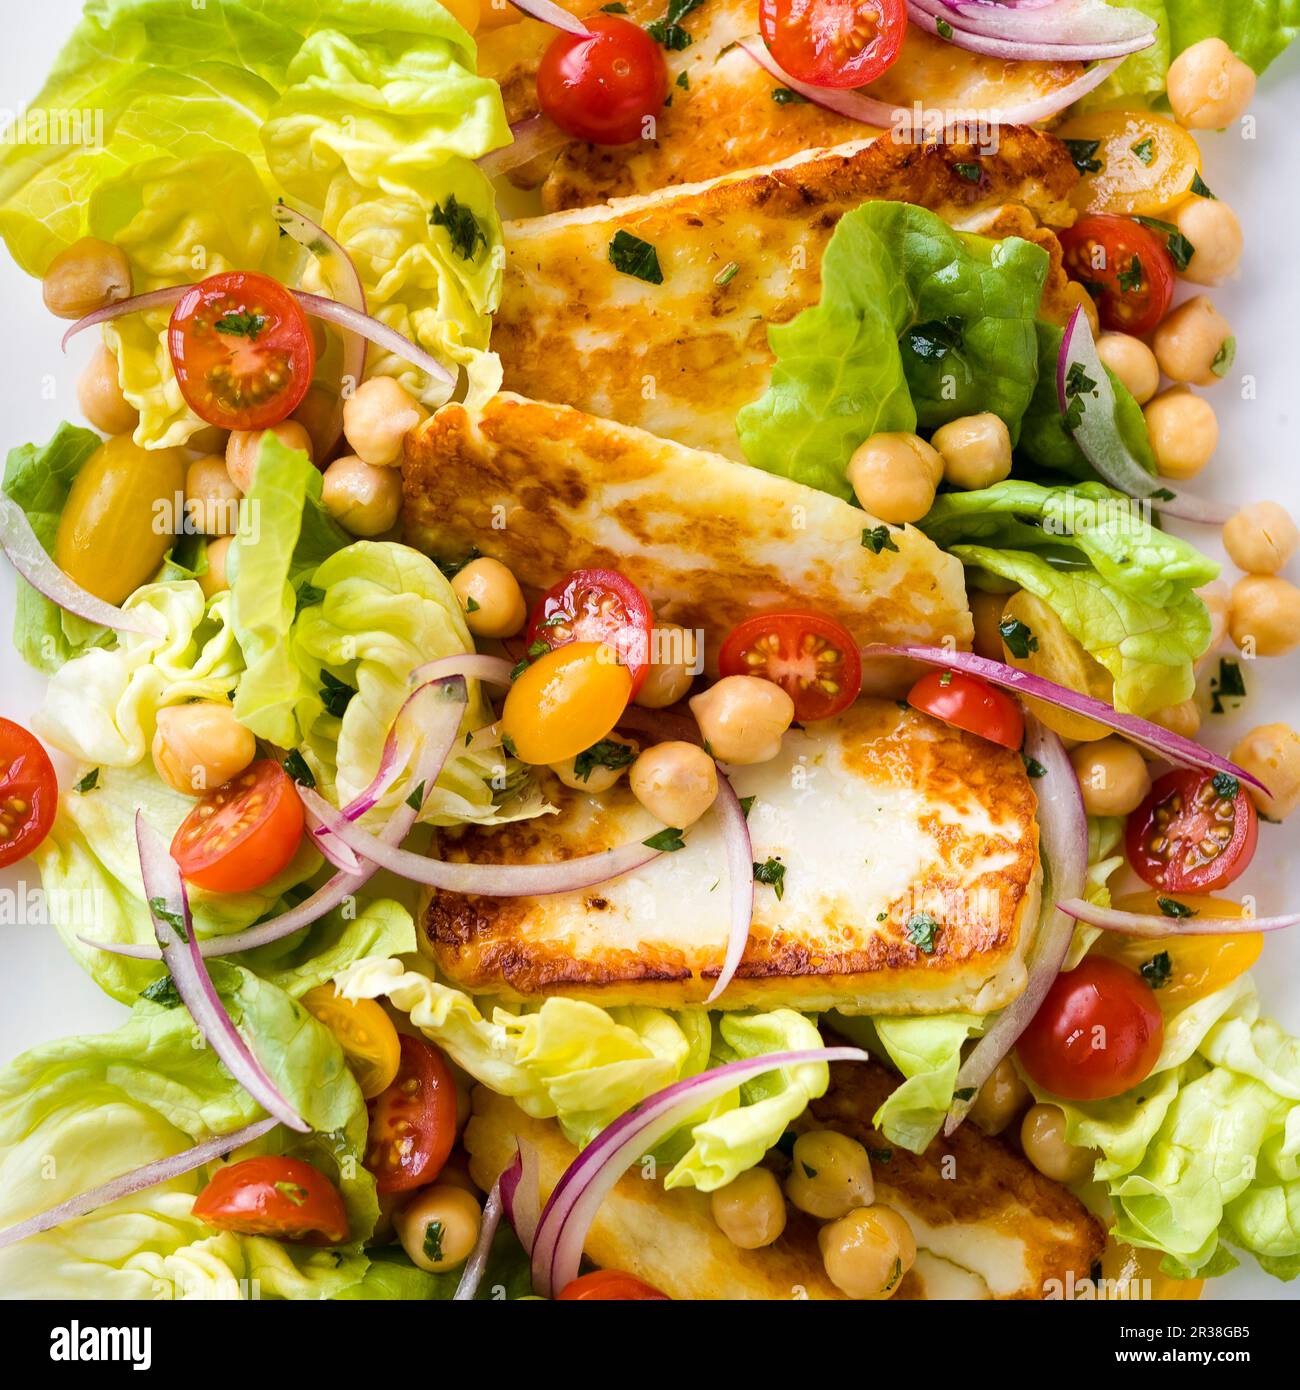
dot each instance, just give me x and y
(275, 1196)
(834, 43)
(969, 703)
(29, 793)
(1195, 832)
(601, 87)
(413, 1123)
(609, 1285)
(595, 606)
(242, 350)
(812, 658)
(1129, 266)
(364, 1032)
(242, 834)
(1097, 1033)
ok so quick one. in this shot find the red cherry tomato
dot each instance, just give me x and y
(29, 793)
(971, 704)
(242, 351)
(242, 834)
(834, 43)
(601, 87)
(1097, 1034)
(595, 606)
(609, 1285)
(413, 1122)
(275, 1196)
(812, 658)
(1195, 832)
(1128, 266)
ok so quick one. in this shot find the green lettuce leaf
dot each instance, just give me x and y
(391, 1275)
(917, 324)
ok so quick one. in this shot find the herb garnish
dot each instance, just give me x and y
(1145, 151)
(1157, 970)
(175, 920)
(433, 1241)
(293, 1192)
(617, 7)
(1077, 385)
(668, 30)
(296, 767)
(1225, 785)
(771, 872)
(943, 28)
(632, 256)
(242, 325)
(307, 597)
(1180, 249)
(609, 752)
(1033, 768)
(464, 229)
(1019, 638)
(920, 930)
(1171, 907)
(727, 274)
(1200, 187)
(877, 538)
(969, 172)
(88, 783)
(416, 799)
(163, 991)
(783, 96)
(1224, 358)
(1228, 686)
(669, 839)
(1084, 155)
(747, 804)
(335, 694)
(1131, 279)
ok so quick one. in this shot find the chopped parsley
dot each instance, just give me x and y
(609, 752)
(451, 568)
(877, 538)
(668, 30)
(1033, 767)
(1145, 151)
(808, 1170)
(461, 225)
(1229, 685)
(970, 172)
(684, 80)
(296, 767)
(1171, 907)
(1019, 638)
(920, 930)
(632, 256)
(669, 839)
(175, 920)
(1224, 358)
(1077, 385)
(772, 873)
(1084, 155)
(1157, 970)
(307, 597)
(943, 28)
(783, 96)
(894, 1275)
(882, 916)
(727, 274)
(1131, 279)
(509, 745)
(1200, 187)
(433, 1241)
(88, 783)
(335, 694)
(163, 991)
(1225, 785)
(242, 325)
(416, 799)
(518, 668)
(537, 647)
(1162, 494)
(747, 804)
(881, 1155)
(1180, 249)
(472, 605)
(616, 8)
(964, 1093)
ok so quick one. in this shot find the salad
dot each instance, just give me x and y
(612, 748)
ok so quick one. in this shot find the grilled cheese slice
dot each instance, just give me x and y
(987, 1225)
(911, 884)
(738, 255)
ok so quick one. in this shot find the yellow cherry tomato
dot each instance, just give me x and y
(496, 14)
(1198, 965)
(120, 517)
(564, 702)
(1122, 1266)
(466, 12)
(1050, 651)
(364, 1032)
(1146, 162)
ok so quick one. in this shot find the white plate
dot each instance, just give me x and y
(47, 996)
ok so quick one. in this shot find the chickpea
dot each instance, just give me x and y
(830, 1175)
(1215, 235)
(245, 445)
(1195, 343)
(1272, 753)
(100, 396)
(211, 498)
(600, 776)
(743, 718)
(1261, 538)
(894, 476)
(439, 1227)
(200, 746)
(986, 610)
(362, 499)
(1265, 615)
(1183, 718)
(1184, 432)
(214, 580)
(1112, 775)
(750, 1210)
(669, 681)
(976, 450)
(1133, 362)
(1042, 1136)
(867, 1252)
(675, 782)
(89, 275)
(1001, 1098)
(1209, 87)
(377, 418)
(491, 597)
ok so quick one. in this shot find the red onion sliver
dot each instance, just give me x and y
(521, 1194)
(1153, 926)
(576, 1198)
(472, 1275)
(1162, 742)
(169, 906)
(1063, 841)
(1059, 23)
(140, 1180)
(967, 30)
(389, 339)
(1102, 444)
(551, 13)
(334, 850)
(137, 304)
(740, 870)
(495, 670)
(30, 558)
(534, 137)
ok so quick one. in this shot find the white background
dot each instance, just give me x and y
(44, 995)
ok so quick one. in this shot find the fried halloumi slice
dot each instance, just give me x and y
(876, 815)
(987, 1224)
(738, 255)
(546, 490)
(723, 117)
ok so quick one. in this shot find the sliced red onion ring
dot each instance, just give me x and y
(1162, 742)
(140, 1180)
(1063, 843)
(1150, 925)
(484, 880)
(521, 1193)
(584, 1185)
(334, 850)
(1101, 442)
(137, 304)
(169, 906)
(30, 558)
(1044, 34)
(495, 670)
(534, 137)
(551, 13)
(740, 871)
(472, 1275)
(389, 339)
